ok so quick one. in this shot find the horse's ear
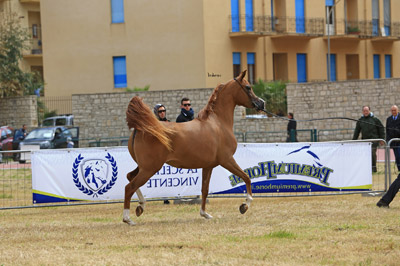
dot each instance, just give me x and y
(241, 76)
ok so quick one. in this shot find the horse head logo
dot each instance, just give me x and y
(95, 173)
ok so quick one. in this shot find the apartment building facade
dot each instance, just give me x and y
(28, 14)
(107, 46)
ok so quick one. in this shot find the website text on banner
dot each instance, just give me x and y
(100, 174)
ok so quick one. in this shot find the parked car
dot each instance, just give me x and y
(61, 120)
(6, 140)
(51, 137)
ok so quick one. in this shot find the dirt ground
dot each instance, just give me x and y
(322, 230)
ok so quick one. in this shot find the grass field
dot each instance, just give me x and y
(323, 230)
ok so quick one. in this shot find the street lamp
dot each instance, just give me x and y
(329, 39)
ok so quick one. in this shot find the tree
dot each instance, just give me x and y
(14, 39)
(274, 94)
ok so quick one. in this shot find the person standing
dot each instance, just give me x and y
(370, 127)
(19, 135)
(161, 113)
(187, 113)
(393, 131)
(390, 194)
(70, 143)
(292, 125)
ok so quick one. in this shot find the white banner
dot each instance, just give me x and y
(100, 173)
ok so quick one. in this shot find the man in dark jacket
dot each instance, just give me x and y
(393, 131)
(291, 127)
(371, 128)
(187, 113)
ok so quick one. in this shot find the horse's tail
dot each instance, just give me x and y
(140, 117)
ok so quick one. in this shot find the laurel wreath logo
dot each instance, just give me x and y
(84, 189)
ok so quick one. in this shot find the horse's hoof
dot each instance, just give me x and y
(139, 210)
(205, 215)
(128, 221)
(243, 208)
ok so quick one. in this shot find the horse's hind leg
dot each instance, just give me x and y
(204, 192)
(142, 201)
(139, 180)
(235, 169)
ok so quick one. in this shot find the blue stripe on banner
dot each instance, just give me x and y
(271, 186)
(40, 198)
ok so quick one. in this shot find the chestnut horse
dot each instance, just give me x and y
(205, 142)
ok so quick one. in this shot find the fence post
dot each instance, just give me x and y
(315, 135)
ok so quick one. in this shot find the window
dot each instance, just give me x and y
(34, 31)
(375, 17)
(300, 16)
(388, 66)
(386, 16)
(235, 15)
(249, 15)
(120, 72)
(332, 68)
(117, 11)
(301, 68)
(236, 64)
(251, 67)
(377, 71)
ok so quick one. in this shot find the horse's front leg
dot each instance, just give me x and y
(133, 186)
(204, 192)
(234, 168)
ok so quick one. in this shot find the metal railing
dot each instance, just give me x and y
(266, 25)
(16, 181)
(60, 104)
(363, 28)
(35, 47)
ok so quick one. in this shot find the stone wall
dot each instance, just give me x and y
(103, 115)
(16, 111)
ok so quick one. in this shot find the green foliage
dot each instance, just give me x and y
(274, 94)
(42, 111)
(353, 29)
(146, 88)
(14, 39)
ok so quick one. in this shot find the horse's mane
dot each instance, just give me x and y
(209, 108)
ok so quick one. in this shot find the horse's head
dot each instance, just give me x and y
(246, 96)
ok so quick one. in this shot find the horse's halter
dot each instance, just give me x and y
(247, 90)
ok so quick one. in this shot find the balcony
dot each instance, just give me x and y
(276, 27)
(35, 43)
(355, 30)
(29, 1)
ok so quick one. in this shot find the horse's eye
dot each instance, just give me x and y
(248, 87)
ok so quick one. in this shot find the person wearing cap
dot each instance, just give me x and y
(161, 113)
(70, 143)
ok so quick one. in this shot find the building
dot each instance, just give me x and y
(28, 13)
(107, 46)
